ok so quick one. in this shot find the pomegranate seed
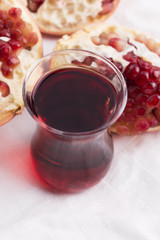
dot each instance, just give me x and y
(1, 24)
(7, 71)
(130, 103)
(28, 28)
(141, 125)
(153, 101)
(96, 40)
(5, 51)
(9, 23)
(141, 99)
(5, 33)
(117, 43)
(20, 24)
(106, 7)
(153, 122)
(132, 71)
(129, 118)
(157, 114)
(130, 57)
(22, 40)
(15, 45)
(149, 88)
(133, 91)
(144, 65)
(88, 61)
(32, 38)
(119, 66)
(3, 15)
(15, 13)
(4, 89)
(140, 111)
(143, 77)
(12, 61)
(151, 43)
(122, 129)
(122, 117)
(16, 33)
(155, 73)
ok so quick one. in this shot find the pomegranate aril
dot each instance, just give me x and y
(130, 57)
(132, 71)
(96, 40)
(117, 43)
(12, 61)
(88, 61)
(153, 101)
(106, 7)
(133, 91)
(7, 70)
(1, 24)
(141, 99)
(4, 89)
(15, 13)
(143, 77)
(149, 88)
(153, 122)
(141, 38)
(155, 73)
(15, 45)
(5, 51)
(28, 28)
(141, 125)
(3, 15)
(130, 103)
(119, 66)
(20, 24)
(129, 118)
(157, 114)
(144, 65)
(140, 111)
(9, 23)
(16, 33)
(5, 33)
(32, 39)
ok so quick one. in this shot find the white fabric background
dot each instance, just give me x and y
(125, 205)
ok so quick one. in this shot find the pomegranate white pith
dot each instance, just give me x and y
(20, 47)
(59, 17)
(137, 57)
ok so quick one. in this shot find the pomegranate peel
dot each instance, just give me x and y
(137, 56)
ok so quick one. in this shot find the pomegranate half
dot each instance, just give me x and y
(58, 17)
(20, 47)
(137, 56)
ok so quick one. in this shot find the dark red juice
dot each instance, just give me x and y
(72, 100)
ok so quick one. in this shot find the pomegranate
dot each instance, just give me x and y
(65, 17)
(16, 45)
(138, 60)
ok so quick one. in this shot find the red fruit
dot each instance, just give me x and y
(7, 70)
(141, 125)
(5, 50)
(143, 64)
(32, 39)
(15, 13)
(149, 88)
(106, 7)
(15, 45)
(9, 24)
(117, 43)
(132, 71)
(12, 61)
(153, 122)
(142, 78)
(155, 73)
(153, 101)
(131, 57)
(3, 15)
(4, 89)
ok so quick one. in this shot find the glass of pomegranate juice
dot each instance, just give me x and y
(74, 96)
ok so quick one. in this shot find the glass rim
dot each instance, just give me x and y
(85, 133)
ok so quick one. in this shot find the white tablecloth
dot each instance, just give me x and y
(125, 205)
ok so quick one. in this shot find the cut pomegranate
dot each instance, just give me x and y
(20, 36)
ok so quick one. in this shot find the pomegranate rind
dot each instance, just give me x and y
(48, 27)
(83, 40)
(13, 104)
